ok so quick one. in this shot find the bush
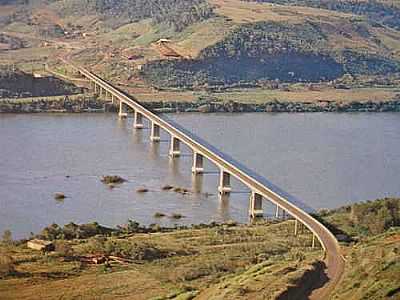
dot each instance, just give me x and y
(7, 237)
(125, 249)
(7, 265)
(376, 216)
(74, 231)
(64, 249)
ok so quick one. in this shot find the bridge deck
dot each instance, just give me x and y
(333, 258)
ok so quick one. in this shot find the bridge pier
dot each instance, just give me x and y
(255, 209)
(320, 236)
(95, 88)
(197, 167)
(296, 225)
(122, 110)
(138, 120)
(174, 150)
(155, 132)
(224, 183)
(112, 99)
(277, 212)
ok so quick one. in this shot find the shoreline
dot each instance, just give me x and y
(88, 103)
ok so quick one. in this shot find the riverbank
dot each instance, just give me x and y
(179, 264)
(57, 104)
(215, 261)
(90, 103)
(274, 106)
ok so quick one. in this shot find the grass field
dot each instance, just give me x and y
(337, 95)
(255, 261)
(196, 261)
(265, 95)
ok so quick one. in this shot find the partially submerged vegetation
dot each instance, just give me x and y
(112, 179)
(59, 196)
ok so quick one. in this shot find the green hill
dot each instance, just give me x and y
(210, 42)
(380, 11)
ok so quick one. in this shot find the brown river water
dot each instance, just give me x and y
(325, 160)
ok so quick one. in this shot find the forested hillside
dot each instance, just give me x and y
(386, 12)
(175, 13)
(201, 43)
(17, 84)
(270, 51)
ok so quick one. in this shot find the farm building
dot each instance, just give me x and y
(41, 245)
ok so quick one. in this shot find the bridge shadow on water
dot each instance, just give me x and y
(242, 167)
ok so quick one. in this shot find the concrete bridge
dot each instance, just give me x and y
(261, 189)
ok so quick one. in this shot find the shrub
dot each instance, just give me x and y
(377, 216)
(64, 249)
(7, 265)
(74, 231)
(7, 237)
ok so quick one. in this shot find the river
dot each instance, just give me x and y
(324, 159)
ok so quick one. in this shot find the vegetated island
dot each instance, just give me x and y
(207, 261)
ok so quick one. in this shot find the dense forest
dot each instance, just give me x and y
(386, 12)
(268, 51)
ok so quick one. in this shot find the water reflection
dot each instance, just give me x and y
(154, 152)
(327, 160)
(174, 163)
(223, 208)
(197, 183)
